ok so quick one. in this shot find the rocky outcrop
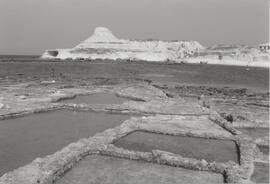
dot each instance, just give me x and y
(104, 45)
(234, 55)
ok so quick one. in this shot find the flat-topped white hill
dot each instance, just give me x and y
(104, 45)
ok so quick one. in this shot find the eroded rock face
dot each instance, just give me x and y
(104, 45)
(101, 34)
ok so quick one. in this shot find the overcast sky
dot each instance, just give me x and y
(31, 26)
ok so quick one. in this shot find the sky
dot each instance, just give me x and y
(31, 26)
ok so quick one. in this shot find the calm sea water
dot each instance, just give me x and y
(192, 74)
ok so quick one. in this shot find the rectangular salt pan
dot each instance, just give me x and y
(261, 173)
(110, 170)
(199, 148)
(26, 138)
(97, 98)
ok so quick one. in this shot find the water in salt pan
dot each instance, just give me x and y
(264, 149)
(199, 148)
(110, 170)
(26, 138)
(261, 173)
(256, 132)
(97, 98)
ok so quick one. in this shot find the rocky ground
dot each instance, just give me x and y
(159, 107)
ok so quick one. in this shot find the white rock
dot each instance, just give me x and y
(102, 34)
(22, 97)
(104, 45)
(204, 162)
(48, 82)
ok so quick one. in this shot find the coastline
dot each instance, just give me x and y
(231, 62)
(199, 61)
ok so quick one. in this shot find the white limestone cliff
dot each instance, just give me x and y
(240, 55)
(104, 45)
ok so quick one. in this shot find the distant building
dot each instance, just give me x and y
(265, 47)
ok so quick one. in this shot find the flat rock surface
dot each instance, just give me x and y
(259, 135)
(261, 173)
(108, 170)
(98, 98)
(167, 106)
(144, 92)
(243, 115)
(200, 125)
